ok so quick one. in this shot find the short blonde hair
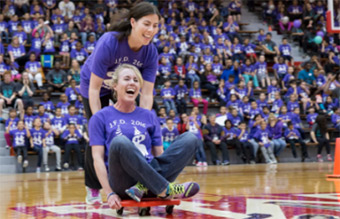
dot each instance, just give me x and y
(120, 68)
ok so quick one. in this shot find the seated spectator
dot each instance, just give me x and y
(249, 50)
(277, 104)
(248, 73)
(67, 8)
(213, 136)
(231, 28)
(79, 53)
(275, 127)
(34, 70)
(29, 117)
(181, 92)
(19, 136)
(3, 29)
(36, 44)
(64, 50)
(48, 44)
(43, 29)
(243, 137)
(56, 79)
(245, 107)
(164, 71)
(234, 117)
(37, 141)
(193, 126)
(222, 93)
(79, 105)
(320, 136)
(20, 33)
(11, 124)
(231, 139)
(17, 52)
(168, 94)
(179, 69)
(238, 50)
(63, 104)
(261, 71)
(162, 117)
(44, 117)
(234, 102)
(72, 138)
(3, 66)
(280, 69)
(58, 122)
(336, 118)
(192, 70)
(74, 72)
(306, 74)
(272, 89)
(26, 90)
(261, 37)
(195, 95)
(262, 101)
(87, 29)
(293, 136)
(47, 103)
(288, 78)
(72, 92)
(72, 117)
(8, 95)
(222, 116)
(210, 82)
(311, 116)
(169, 133)
(262, 136)
(90, 44)
(50, 134)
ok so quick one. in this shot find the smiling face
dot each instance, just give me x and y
(145, 28)
(128, 86)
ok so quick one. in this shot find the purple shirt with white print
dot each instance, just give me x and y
(108, 54)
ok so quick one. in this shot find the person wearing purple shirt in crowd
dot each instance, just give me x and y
(63, 104)
(254, 110)
(58, 122)
(261, 37)
(272, 89)
(284, 116)
(288, 78)
(292, 103)
(36, 44)
(247, 71)
(285, 51)
(275, 126)
(311, 116)
(241, 90)
(47, 103)
(168, 94)
(243, 136)
(29, 117)
(11, 124)
(280, 69)
(293, 136)
(234, 9)
(238, 50)
(72, 92)
(37, 140)
(192, 70)
(262, 136)
(262, 101)
(16, 51)
(261, 72)
(213, 137)
(231, 139)
(3, 29)
(3, 66)
(71, 117)
(336, 118)
(169, 133)
(19, 137)
(295, 10)
(42, 115)
(234, 102)
(90, 44)
(231, 27)
(124, 134)
(195, 95)
(72, 139)
(277, 104)
(34, 70)
(48, 44)
(320, 77)
(13, 24)
(234, 117)
(79, 53)
(181, 91)
(249, 50)
(22, 36)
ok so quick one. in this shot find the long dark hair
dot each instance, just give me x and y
(138, 11)
(322, 123)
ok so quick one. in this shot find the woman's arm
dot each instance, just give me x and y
(146, 98)
(94, 91)
(99, 166)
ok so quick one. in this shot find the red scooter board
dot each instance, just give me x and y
(145, 204)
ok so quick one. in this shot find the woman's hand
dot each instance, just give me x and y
(114, 202)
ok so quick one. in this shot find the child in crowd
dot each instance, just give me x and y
(29, 117)
(37, 140)
(243, 136)
(11, 124)
(63, 104)
(336, 118)
(65, 50)
(33, 67)
(293, 136)
(311, 116)
(19, 136)
(192, 70)
(179, 69)
(234, 102)
(58, 122)
(261, 71)
(262, 136)
(272, 89)
(168, 95)
(72, 138)
(231, 139)
(50, 134)
(72, 92)
(181, 91)
(280, 69)
(262, 101)
(196, 97)
(277, 104)
(44, 117)
(162, 117)
(71, 117)
(47, 103)
(169, 133)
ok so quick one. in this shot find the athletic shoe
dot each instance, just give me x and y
(47, 169)
(199, 164)
(38, 170)
(319, 157)
(205, 164)
(25, 164)
(137, 191)
(182, 191)
(66, 165)
(225, 163)
(93, 196)
(80, 169)
(57, 169)
(19, 159)
(329, 157)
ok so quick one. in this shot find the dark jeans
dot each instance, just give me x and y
(292, 143)
(91, 179)
(212, 147)
(39, 150)
(238, 146)
(21, 150)
(181, 106)
(211, 90)
(249, 150)
(323, 142)
(127, 165)
(76, 148)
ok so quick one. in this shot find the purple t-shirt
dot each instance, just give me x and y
(58, 123)
(169, 136)
(181, 91)
(14, 123)
(19, 137)
(71, 94)
(64, 107)
(49, 139)
(17, 51)
(195, 93)
(29, 121)
(281, 69)
(44, 118)
(312, 117)
(277, 104)
(32, 66)
(36, 45)
(245, 136)
(71, 139)
(48, 105)
(167, 92)
(72, 119)
(108, 54)
(261, 68)
(37, 136)
(140, 126)
(294, 134)
(80, 56)
(65, 46)
(285, 50)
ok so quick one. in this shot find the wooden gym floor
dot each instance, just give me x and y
(293, 190)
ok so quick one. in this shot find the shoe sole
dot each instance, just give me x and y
(19, 159)
(25, 165)
(133, 196)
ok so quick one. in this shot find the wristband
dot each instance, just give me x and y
(108, 196)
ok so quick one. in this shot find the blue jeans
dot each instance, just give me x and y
(279, 145)
(39, 150)
(169, 105)
(200, 153)
(127, 165)
(193, 78)
(255, 146)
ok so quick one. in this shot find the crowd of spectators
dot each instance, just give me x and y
(264, 96)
